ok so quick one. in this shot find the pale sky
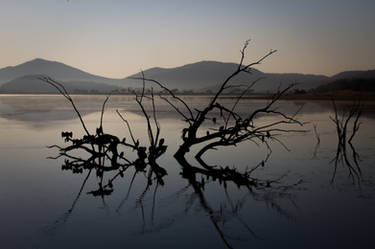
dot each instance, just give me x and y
(115, 38)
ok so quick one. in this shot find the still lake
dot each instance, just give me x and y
(42, 207)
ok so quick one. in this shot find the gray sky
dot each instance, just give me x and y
(117, 38)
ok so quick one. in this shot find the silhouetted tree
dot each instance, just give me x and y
(227, 126)
(108, 152)
(342, 123)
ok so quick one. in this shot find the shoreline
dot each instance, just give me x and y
(341, 95)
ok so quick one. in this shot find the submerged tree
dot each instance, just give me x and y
(228, 126)
(107, 152)
(342, 123)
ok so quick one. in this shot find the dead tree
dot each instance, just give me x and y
(230, 127)
(342, 123)
(108, 153)
(156, 144)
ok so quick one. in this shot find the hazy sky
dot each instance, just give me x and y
(117, 38)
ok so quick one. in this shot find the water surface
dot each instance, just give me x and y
(41, 208)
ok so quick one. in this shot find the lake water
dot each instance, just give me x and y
(43, 206)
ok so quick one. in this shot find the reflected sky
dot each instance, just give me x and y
(36, 195)
(39, 111)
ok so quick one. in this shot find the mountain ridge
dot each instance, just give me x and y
(208, 74)
(54, 69)
(198, 76)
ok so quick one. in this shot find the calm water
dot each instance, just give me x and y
(41, 206)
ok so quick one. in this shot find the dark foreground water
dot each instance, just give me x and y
(42, 206)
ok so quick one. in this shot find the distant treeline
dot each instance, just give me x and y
(352, 84)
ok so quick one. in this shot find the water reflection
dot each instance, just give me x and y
(32, 109)
(348, 117)
(189, 210)
(109, 158)
(224, 179)
(104, 161)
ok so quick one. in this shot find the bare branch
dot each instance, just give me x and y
(102, 113)
(60, 87)
(169, 91)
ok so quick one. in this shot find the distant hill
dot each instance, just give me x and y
(200, 77)
(53, 69)
(350, 81)
(31, 84)
(369, 74)
(207, 75)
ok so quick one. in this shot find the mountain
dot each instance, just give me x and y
(350, 81)
(32, 84)
(369, 74)
(191, 76)
(206, 75)
(200, 77)
(53, 69)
